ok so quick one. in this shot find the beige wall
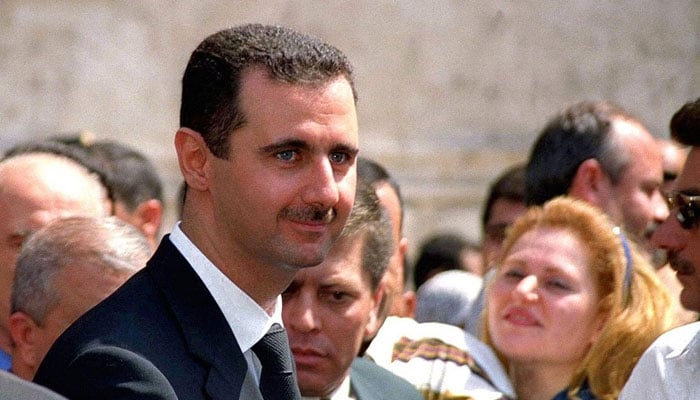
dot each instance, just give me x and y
(451, 92)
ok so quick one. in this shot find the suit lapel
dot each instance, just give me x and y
(206, 332)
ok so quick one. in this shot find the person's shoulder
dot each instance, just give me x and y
(668, 368)
(107, 372)
(679, 338)
(370, 381)
(13, 387)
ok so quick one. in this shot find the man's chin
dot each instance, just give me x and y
(307, 260)
(315, 386)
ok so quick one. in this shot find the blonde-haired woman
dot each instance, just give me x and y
(572, 305)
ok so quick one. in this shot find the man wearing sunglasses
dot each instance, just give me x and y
(668, 369)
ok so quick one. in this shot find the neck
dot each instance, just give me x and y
(539, 382)
(262, 282)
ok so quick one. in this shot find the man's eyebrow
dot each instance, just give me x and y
(284, 144)
(345, 148)
(301, 144)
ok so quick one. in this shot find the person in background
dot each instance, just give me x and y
(14, 387)
(434, 357)
(35, 188)
(135, 184)
(505, 202)
(674, 156)
(441, 252)
(331, 308)
(136, 188)
(573, 303)
(668, 369)
(78, 155)
(398, 300)
(598, 152)
(448, 297)
(63, 270)
(267, 145)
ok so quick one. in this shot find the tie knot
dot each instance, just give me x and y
(277, 378)
(273, 350)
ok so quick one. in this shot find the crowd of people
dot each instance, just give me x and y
(287, 275)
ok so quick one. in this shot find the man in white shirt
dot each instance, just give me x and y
(267, 146)
(669, 369)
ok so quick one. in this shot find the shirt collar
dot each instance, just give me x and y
(248, 321)
(342, 392)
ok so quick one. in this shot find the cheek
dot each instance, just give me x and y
(574, 315)
(496, 298)
(346, 190)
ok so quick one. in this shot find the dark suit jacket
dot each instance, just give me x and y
(368, 381)
(159, 336)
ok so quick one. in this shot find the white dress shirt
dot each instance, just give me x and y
(669, 369)
(248, 321)
(341, 393)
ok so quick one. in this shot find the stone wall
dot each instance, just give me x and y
(451, 92)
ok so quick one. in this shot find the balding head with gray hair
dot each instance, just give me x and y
(63, 270)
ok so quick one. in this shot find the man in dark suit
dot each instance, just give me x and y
(267, 147)
(330, 309)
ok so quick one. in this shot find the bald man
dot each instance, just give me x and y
(36, 188)
(63, 270)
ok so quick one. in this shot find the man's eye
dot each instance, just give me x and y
(337, 297)
(338, 158)
(287, 155)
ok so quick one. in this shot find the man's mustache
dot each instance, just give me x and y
(680, 265)
(309, 214)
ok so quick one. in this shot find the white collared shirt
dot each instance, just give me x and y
(340, 393)
(248, 321)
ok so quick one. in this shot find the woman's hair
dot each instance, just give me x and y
(631, 297)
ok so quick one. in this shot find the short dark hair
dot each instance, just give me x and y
(440, 252)
(371, 221)
(212, 80)
(510, 185)
(580, 132)
(685, 124)
(375, 174)
(133, 177)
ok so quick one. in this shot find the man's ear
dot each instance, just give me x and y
(150, 214)
(193, 156)
(373, 322)
(591, 183)
(403, 249)
(409, 303)
(23, 330)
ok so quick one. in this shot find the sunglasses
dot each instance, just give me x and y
(688, 208)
